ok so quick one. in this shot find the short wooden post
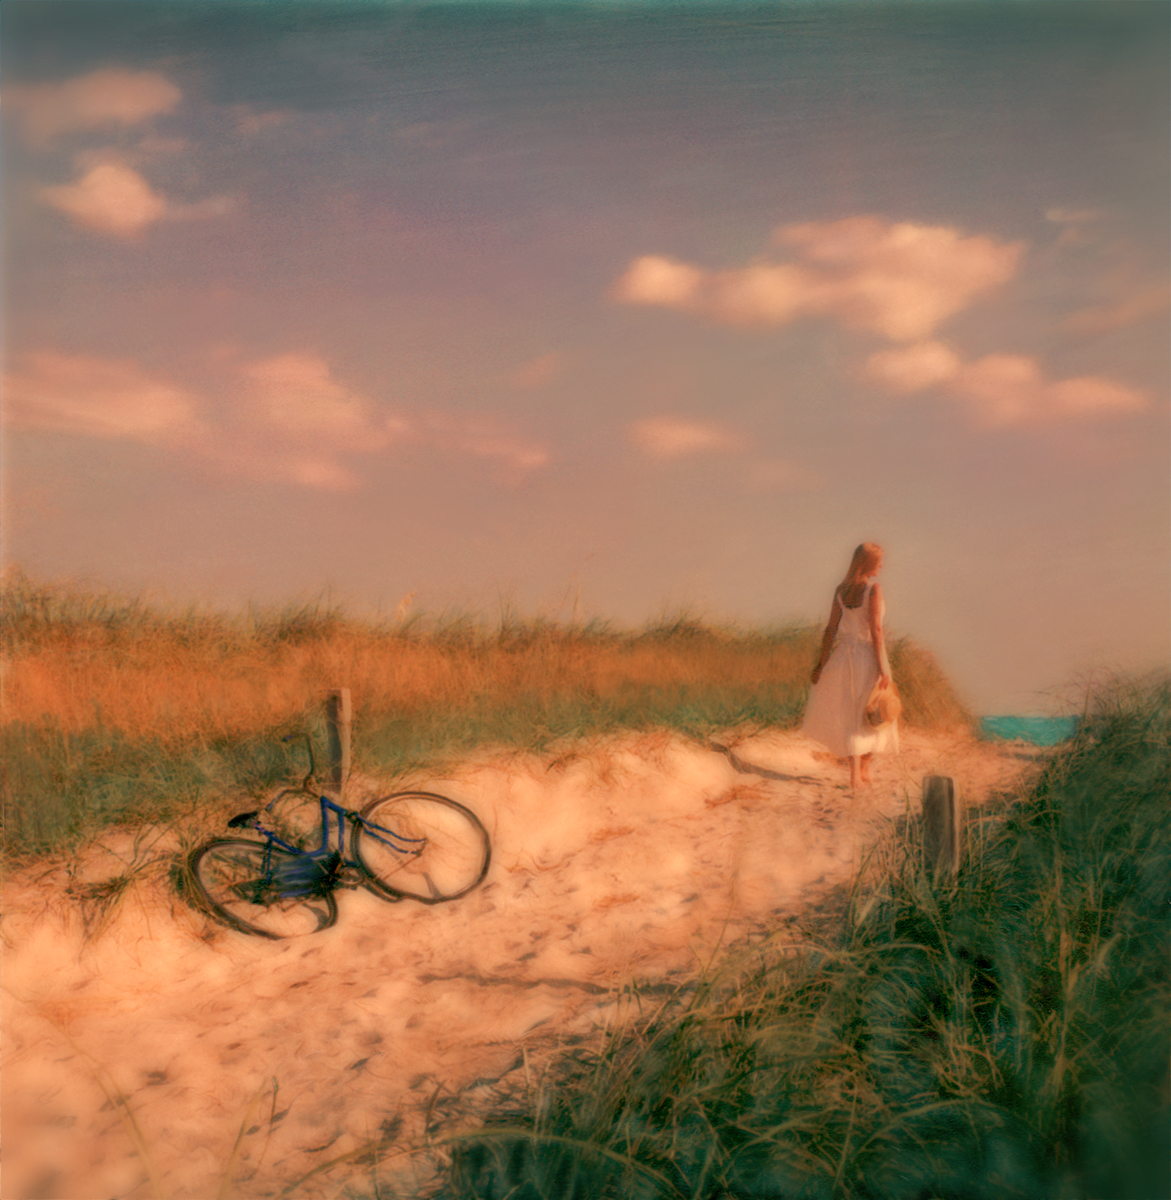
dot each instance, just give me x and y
(942, 825)
(337, 720)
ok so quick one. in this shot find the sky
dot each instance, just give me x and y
(600, 310)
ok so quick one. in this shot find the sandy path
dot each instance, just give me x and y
(632, 859)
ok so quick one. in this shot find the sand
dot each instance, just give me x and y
(147, 1051)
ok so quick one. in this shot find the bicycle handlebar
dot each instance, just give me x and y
(301, 791)
(249, 818)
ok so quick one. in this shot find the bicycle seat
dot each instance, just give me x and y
(245, 818)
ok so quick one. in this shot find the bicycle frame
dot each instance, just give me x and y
(316, 871)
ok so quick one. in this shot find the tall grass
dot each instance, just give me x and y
(1003, 1034)
(114, 710)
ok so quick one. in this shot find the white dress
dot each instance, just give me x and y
(835, 715)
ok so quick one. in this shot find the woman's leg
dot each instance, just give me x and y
(866, 767)
(853, 771)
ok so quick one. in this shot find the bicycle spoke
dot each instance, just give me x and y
(420, 845)
(242, 886)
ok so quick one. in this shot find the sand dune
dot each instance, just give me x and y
(150, 1040)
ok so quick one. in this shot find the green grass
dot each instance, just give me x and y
(58, 788)
(1003, 1034)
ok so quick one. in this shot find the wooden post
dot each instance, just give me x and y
(942, 825)
(337, 720)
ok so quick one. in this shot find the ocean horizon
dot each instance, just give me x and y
(1038, 731)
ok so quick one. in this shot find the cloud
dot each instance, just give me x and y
(304, 425)
(1149, 303)
(96, 397)
(913, 368)
(1002, 390)
(1010, 389)
(109, 198)
(249, 121)
(660, 281)
(1073, 222)
(514, 458)
(539, 371)
(292, 421)
(675, 437)
(669, 438)
(296, 397)
(286, 418)
(116, 200)
(99, 100)
(900, 280)
(1073, 216)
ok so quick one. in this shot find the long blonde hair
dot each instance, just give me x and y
(865, 562)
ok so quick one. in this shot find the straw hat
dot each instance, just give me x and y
(884, 706)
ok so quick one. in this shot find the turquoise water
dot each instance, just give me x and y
(1040, 731)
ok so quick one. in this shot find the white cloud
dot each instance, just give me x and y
(670, 438)
(304, 425)
(1011, 389)
(515, 458)
(293, 421)
(286, 418)
(538, 372)
(1073, 216)
(114, 199)
(915, 367)
(1002, 389)
(295, 397)
(1074, 223)
(676, 437)
(249, 121)
(109, 198)
(1130, 310)
(901, 280)
(656, 280)
(99, 100)
(96, 397)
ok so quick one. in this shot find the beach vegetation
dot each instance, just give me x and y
(117, 711)
(1000, 1033)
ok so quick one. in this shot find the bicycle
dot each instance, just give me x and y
(408, 845)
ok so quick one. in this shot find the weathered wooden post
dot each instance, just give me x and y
(942, 825)
(337, 721)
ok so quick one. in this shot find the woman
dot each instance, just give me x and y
(843, 680)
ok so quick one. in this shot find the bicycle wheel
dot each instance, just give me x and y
(420, 845)
(231, 883)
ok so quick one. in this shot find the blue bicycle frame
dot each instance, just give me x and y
(315, 871)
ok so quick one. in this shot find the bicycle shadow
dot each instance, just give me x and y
(747, 768)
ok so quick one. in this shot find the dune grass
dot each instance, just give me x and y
(1002, 1034)
(115, 711)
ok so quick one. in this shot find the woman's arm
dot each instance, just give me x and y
(874, 613)
(835, 616)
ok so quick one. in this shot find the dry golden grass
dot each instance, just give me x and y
(117, 712)
(157, 685)
(77, 660)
